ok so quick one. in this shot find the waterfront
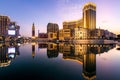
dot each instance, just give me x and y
(59, 61)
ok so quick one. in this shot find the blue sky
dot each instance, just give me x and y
(41, 12)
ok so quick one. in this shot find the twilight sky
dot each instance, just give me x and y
(41, 12)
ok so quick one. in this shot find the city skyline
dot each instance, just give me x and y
(41, 12)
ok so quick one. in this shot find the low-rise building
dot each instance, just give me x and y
(65, 34)
(42, 35)
(80, 33)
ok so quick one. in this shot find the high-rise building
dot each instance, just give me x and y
(89, 15)
(52, 27)
(4, 22)
(33, 31)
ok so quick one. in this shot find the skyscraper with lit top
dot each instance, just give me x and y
(89, 15)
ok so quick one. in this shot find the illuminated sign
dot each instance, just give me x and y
(11, 32)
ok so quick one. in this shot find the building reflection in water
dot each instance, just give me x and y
(8, 52)
(52, 50)
(84, 54)
(42, 45)
(89, 65)
(33, 50)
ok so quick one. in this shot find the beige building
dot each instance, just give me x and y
(89, 15)
(61, 34)
(80, 33)
(65, 34)
(73, 24)
(52, 36)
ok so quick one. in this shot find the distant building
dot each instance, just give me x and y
(42, 35)
(33, 31)
(52, 27)
(4, 22)
(89, 15)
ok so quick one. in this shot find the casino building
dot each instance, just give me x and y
(13, 30)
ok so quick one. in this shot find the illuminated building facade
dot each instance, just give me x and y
(33, 31)
(52, 27)
(13, 30)
(61, 35)
(81, 33)
(52, 36)
(52, 30)
(65, 34)
(4, 22)
(73, 24)
(89, 15)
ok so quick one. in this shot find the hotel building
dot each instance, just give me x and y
(89, 15)
(52, 31)
(4, 22)
(73, 24)
(81, 33)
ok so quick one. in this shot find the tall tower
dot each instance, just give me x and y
(33, 31)
(89, 15)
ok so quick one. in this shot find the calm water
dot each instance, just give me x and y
(41, 61)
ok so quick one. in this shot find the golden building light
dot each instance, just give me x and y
(89, 15)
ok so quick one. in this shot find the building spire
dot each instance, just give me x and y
(33, 30)
(33, 23)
